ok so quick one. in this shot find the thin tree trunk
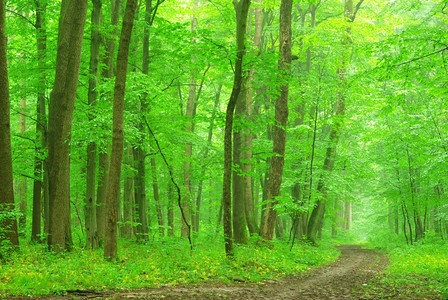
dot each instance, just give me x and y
(90, 199)
(170, 210)
(318, 212)
(41, 41)
(140, 193)
(127, 230)
(62, 101)
(22, 183)
(242, 10)
(348, 215)
(113, 183)
(155, 188)
(269, 215)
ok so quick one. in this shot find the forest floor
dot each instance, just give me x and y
(354, 275)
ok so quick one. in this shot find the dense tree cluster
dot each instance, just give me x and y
(158, 118)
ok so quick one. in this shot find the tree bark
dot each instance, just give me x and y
(127, 230)
(155, 189)
(38, 183)
(242, 10)
(22, 184)
(250, 212)
(139, 149)
(8, 222)
(140, 193)
(113, 183)
(189, 114)
(62, 101)
(90, 199)
(104, 158)
(269, 215)
(238, 184)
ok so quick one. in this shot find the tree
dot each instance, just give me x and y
(241, 10)
(317, 215)
(40, 183)
(90, 200)
(190, 114)
(8, 221)
(269, 215)
(62, 100)
(113, 183)
(103, 157)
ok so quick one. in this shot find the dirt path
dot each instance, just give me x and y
(343, 279)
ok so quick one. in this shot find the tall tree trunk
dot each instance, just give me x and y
(127, 231)
(22, 183)
(317, 213)
(104, 158)
(62, 101)
(8, 222)
(241, 10)
(140, 193)
(90, 199)
(269, 216)
(170, 210)
(113, 183)
(419, 232)
(155, 189)
(238, 184)
(38, 183)
(189, 113)
(348, 215)
(246, 166)
(139, 150)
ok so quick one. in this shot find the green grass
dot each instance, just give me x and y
(417, 271)
(34, 271)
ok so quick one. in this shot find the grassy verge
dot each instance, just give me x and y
(415, 272)
(34, 271)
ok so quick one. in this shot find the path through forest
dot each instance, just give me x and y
(345, 278)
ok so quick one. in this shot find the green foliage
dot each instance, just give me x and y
(419, 270)
(32, 271)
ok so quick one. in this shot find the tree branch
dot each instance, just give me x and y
(23, 17)
(420, 57)
(179, 197)
(352, 18)
(155, 11)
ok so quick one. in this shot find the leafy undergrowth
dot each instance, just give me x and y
(34, 271)
(415, 272)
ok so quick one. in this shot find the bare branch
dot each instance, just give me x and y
(170, 171)
(22, 16)
(420, 57)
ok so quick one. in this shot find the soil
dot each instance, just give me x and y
(346, 278)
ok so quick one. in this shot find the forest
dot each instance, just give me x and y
(197, 149)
